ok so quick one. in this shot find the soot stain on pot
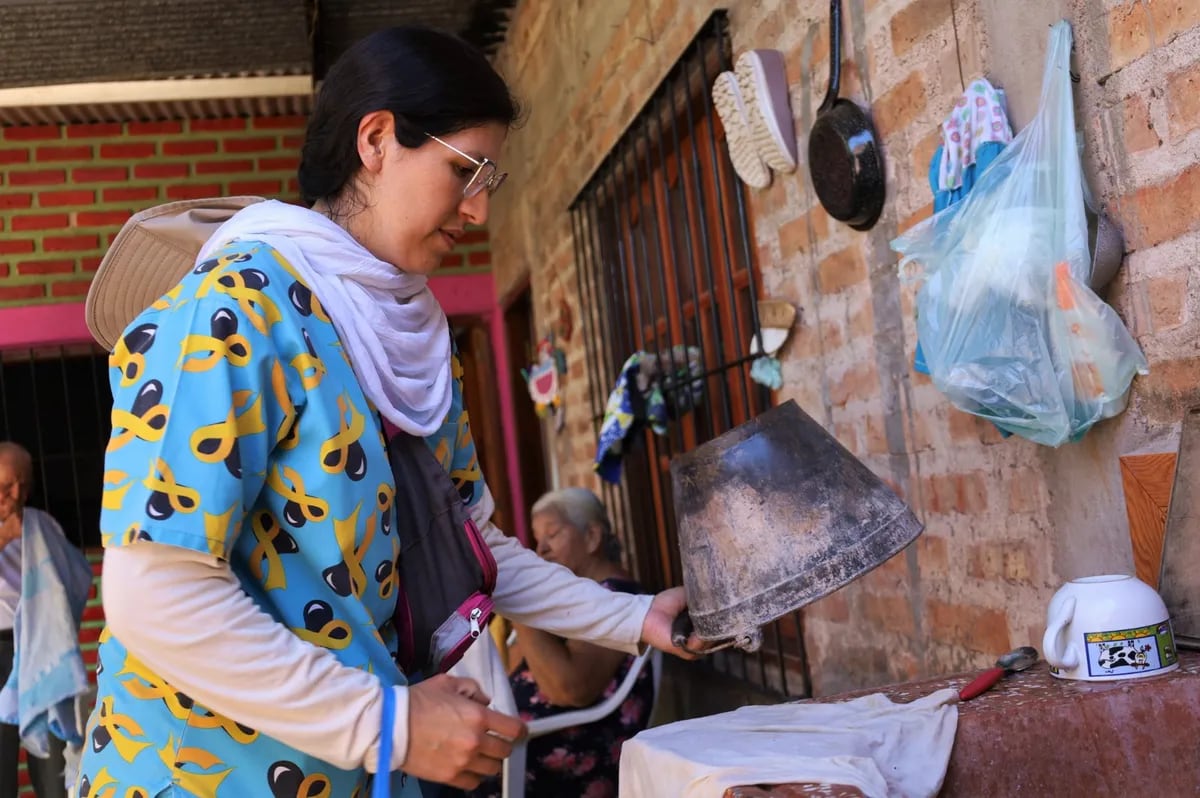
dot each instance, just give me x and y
(774, 515)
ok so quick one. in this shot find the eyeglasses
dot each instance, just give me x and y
(487, 175)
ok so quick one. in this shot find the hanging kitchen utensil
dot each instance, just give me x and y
(843, 149)
(773, 515)
(1018, 660)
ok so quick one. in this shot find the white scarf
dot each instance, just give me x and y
(394, 331)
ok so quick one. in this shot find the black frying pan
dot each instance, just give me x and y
(843, 150)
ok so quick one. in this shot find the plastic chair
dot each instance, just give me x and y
(513, 778)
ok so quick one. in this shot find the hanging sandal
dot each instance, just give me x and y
(762, 79)
(731, 108)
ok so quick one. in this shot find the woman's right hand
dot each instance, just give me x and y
(453, 737)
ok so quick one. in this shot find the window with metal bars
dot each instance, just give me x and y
(55, 402)
(664, 260)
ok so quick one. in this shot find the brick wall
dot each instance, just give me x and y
(65, 190)
(1007, 521)
(68, 188)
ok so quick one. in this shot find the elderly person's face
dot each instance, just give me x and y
(10, 488)
(559, 542)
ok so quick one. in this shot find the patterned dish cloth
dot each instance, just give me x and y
(976, 131)
(650, 390)
(977, 119)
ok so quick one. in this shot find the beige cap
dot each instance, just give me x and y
(153, 251)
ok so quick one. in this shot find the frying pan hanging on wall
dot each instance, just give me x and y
(843, 149)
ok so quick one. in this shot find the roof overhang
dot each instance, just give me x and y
(150, 100)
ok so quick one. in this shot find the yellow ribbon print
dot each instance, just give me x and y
(212, 443)
(343, 452)
(284, 400)
(146, 420)
(105, 786)
(113, 498)
(249, 300)
(272, 541)
(322, 629)
(301, 507)
(345, 530)
(131, 362)
(234, 348)
(161, 479)
(146, 686)
(111, 727)
(217, 270)
(176, 759)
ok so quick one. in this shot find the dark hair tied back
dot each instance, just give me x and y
(431, 81)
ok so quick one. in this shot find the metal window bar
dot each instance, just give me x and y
(55, 402)
(664, 260)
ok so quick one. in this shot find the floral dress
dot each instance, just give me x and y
(580, 760)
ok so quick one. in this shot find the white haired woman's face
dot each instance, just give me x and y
(560, 542)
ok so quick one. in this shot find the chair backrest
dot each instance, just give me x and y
(603, 709)
(513, 779)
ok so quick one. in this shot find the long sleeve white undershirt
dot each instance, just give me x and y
(298, 693)
(268, 679)
(534, 592)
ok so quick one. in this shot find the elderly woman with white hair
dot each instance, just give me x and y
(553, 675)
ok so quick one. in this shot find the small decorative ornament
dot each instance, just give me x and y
(565, 325)
(775, 320)
(543, 380)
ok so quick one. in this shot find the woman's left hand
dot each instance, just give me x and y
(656, 629)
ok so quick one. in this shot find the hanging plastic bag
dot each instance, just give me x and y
(1010, 329)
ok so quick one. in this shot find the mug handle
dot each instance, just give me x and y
(1057, 652)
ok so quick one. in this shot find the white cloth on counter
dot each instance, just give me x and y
(886, 750)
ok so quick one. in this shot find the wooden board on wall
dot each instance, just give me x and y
(1146, 480)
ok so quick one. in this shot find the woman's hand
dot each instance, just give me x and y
(453, 738)
(656, 629)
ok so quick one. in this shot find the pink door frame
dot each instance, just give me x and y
(460, 294)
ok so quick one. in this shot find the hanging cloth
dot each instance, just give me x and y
(650, 390)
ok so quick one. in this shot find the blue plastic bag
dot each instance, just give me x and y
(1009, 329)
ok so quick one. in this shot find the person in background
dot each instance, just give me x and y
(552, 675)
(44, 583)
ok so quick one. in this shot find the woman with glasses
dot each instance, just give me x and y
(250, 571)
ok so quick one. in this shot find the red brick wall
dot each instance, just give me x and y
(1006, 520)
(65, 190)
(68, 188)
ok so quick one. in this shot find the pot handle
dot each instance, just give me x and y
(682, 628)
(835, 56)
(1058, 652)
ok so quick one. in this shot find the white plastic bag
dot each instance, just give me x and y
(1010, 329)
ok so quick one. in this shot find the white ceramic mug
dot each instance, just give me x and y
(1102, 628)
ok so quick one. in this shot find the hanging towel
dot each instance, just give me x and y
(650, 390)
(48, 673)
(884, 749)
(978, 119)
